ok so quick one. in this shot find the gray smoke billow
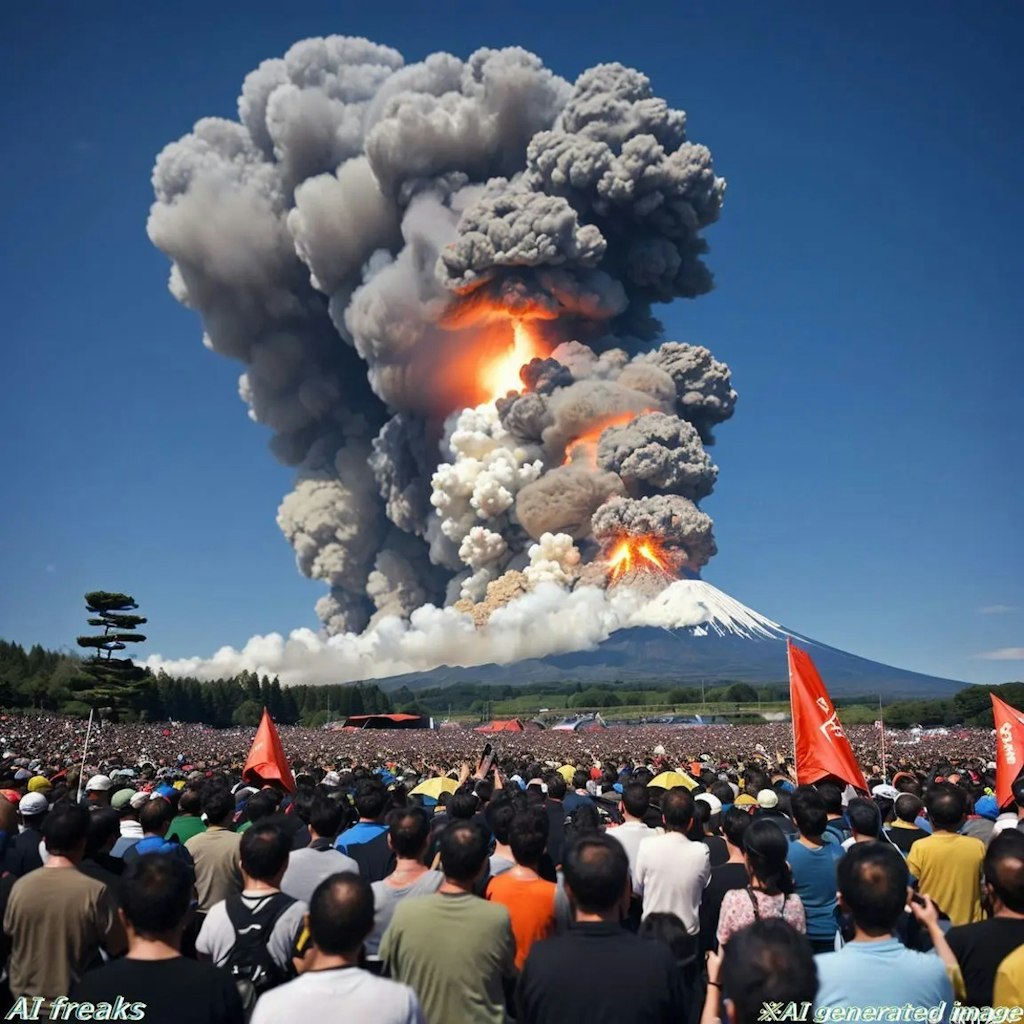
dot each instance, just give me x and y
(363, 239)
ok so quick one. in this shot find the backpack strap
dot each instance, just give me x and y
(274, 906)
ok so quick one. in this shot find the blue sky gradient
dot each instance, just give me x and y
(869, 301)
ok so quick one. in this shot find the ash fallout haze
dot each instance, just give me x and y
(481, 283)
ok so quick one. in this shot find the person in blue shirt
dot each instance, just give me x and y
(366, 841)
(875, 969)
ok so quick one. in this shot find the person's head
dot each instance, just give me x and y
(97, 790)
(809, 812)
(370, 799)
(1017, 789)
(947, 806)
(669, 930)
(556, 786)
(735, 823)
(832, 796)
(218, 805)
(463, 848)
(864, 817)
(766, 963)
(904, 782)
(580, 779)
(324, 817)
(872, 880)
(1004, 871)
(264, 854)
(636, 800)
(341, 915)
(33, 808)
(596, 872)
(155, 817)
(155, 895)
(677, 810)
(104, 831)
(190, 802)
(261, 805)
(908, 808)
(765, 849)
(500, 813)
(65, 831)
(528, 836)
(409, 833)
(755, 780)
(463, 805)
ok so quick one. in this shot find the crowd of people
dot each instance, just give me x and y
(565, 877)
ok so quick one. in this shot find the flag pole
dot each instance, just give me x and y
(85, 753)
(881, 722)
(792, 716)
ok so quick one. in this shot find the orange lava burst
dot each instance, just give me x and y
(631, 554)
(500, 375)
(583, 449)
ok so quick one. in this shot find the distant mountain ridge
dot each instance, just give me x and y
(729, 642)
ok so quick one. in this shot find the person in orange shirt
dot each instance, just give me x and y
(529, 899)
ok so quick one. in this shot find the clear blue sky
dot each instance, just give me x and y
(869, 299)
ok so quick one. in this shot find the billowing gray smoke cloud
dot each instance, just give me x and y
(359, 238)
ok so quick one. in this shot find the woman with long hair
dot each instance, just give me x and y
(770, 893)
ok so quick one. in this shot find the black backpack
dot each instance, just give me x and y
(250, 963)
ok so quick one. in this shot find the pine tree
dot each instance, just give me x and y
(109, 682)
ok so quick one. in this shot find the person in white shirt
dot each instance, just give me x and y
(672, 870)
(333, 987)
(634, 830)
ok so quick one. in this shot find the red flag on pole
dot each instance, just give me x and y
(1009, 748)
(821, 745)
(266, 757)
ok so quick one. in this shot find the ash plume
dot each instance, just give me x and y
(438, 278)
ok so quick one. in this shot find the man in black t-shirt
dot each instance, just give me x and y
(980, 948)
(904, 831)
(156, 892)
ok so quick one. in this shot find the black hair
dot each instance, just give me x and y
(104, 826)
(833, 797)
(947, 806)
(556, 786)
(302, 802)
(735, 823)
(767, 963)
(1004, 869)
(264, 852)
(908, 807)
(528, 836)
(585, 820)
(809, 812)
(1017, 789)
(754, 780)
(872, 879)
(409, 830)
(155, 814)
(864, 816)
(767, 848)
(155, 893)
(65, 828)
(636, 798)
(370, 798)
(463, 804)
(669, 930)
(325, 816)
(677, 809)
(908, 784)
(190, 802)
(722, 790)
(463, 848)
(218, 804)
(499, 815)
(580, 779)
(596, 872)
(341, 913)
(260, 805)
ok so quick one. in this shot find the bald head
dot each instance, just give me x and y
(341, 914)
(1004, 869)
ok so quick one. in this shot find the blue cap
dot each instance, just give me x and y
(987, 807)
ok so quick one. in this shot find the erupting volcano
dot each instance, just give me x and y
(637, 554)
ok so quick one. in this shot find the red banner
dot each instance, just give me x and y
(822, 748)
(266, 760)
(1009, 748)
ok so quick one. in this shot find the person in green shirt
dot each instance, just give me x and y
(188, 822)
(454, 949)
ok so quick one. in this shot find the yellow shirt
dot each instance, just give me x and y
(948, 868)
(1009, 988)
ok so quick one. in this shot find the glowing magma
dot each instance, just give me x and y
(583, 449)
(500, 375)
(637, 554)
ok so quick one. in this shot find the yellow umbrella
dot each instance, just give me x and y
(567, 771)
(433, 788)
(672, 780)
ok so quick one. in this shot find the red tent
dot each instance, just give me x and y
(511, 725)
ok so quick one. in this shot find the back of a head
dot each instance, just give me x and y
(907, 784)
(528, 836)
(218, 804)
(261, 805)
(463, 847)
(636, 799)
(724, 792)
(264, 852)
(155, 894)
(1017, 789)
(754, 780)
(556, 786)
(908, 808)
(767, 963)
(735, 823)
(767, 848)
(370, 798)
(325, 816)
(409, 831)
(500, 813)
(104, 827)
(190, 802)
(832, 795)
(864, 817)
(809, 811)
(580, 779)
(596, 872)
(677, 809)
(155, 816)
(341, 914)
(66, 829)
(1004, 869)
(872, 879)
(669, 930)
(463, 805)
(947, 806)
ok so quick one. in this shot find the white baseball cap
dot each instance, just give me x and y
(98, 784)
(767, 799)
(33, 803)
(712, 801)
